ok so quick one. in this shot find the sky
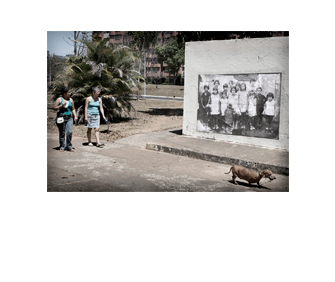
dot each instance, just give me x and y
(57, 45)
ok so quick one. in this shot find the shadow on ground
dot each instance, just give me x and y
(58, 148)
(164, 112)
(245, 184)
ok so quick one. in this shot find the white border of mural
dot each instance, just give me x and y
(240, 104)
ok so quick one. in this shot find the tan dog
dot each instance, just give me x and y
(250, 175)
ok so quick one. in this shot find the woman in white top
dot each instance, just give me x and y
(215, 108)
(223, 105)
(93, 105)
(233, 100)
(252, 108)
(269, 110)
(242, 103)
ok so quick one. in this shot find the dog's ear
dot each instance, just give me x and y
(265, 173)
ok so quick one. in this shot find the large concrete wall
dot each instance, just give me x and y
(241, 56)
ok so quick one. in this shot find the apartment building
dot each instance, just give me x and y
(153, 68)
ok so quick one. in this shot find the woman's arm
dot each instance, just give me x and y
(57, 106)
(102, 109)
(201, 101)
(253, 101)
(264, 108)
(209, 101)
(86, 107)
(220, 112)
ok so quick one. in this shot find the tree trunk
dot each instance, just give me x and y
(145, 74)
(75, 43)
(175, 79)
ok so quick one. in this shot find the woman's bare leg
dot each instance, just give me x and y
(89, 130)
(97, 135)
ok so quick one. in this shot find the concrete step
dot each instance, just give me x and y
(223, 152)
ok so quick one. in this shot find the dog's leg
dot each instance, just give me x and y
(234, 178)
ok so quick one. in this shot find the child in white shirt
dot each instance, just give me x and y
(242, 103)
(215, 108)
(269, 110)
(233, 100)
(223, 105)
(252, 108)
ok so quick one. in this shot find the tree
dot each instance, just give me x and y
(55, 64)
(188, 36)
(78, 38)
(107, 66)
(174, 54)
(142, 41)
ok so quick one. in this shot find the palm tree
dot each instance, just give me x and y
(107, 66)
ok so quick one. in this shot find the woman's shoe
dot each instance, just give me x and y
(90, 144)
(71, 150)
(61, 150)
(100, 145)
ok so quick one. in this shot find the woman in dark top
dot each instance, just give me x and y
(204, 101)
(65, 108)
(260, 98)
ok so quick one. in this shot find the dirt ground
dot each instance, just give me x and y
(152, 115)
(164, 90)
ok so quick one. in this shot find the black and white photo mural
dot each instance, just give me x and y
(240, 104)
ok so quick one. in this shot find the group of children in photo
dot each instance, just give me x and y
(235, 107)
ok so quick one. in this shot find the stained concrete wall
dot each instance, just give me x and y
(241, 56)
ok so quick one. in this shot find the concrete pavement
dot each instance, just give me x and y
(126, 165)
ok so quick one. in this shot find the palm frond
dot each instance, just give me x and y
(110, 67)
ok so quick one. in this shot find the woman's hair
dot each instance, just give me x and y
(64, 90)
(217, 82)
(95, 89)
(233, 88)
(259, 88)
(270, 95)
(245, 86)
(252, 92)
(206, 86)
(225, 85)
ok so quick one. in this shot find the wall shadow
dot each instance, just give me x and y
(178, 132)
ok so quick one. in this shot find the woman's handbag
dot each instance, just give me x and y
(60, 120)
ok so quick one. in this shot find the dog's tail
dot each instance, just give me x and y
(228, 171)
